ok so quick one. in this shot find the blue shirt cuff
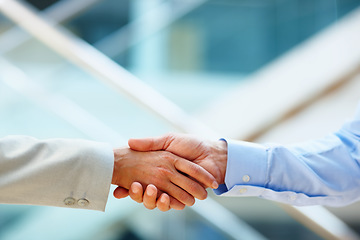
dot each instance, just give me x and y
(247, 166)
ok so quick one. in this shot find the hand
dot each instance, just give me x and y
(162, 169)
(212, 155)
(152, 198)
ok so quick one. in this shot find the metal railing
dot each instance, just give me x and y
(96, 63)
(57, 13)
(61, 106)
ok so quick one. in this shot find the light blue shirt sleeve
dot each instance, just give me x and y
(318, 172)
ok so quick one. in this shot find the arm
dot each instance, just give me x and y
(324, 171)
(78, 173)
(319, 172)
(56, 172)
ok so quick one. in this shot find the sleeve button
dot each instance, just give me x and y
(69, 201)
(83, 202)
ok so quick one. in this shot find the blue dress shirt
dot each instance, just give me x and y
(318, 172)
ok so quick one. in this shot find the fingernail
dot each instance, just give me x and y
(150, 191)
(135, 190)
(163, 200)
(215, 185)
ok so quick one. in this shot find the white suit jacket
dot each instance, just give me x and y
(56, 172)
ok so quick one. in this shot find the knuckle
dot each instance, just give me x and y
(169, 138)
(195, 169)
(167, 156)
(157, 179)
(192, 187)
(163, 173)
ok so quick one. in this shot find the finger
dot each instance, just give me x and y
(163, 203)
(196, 172)
(190, 186)
(148, 144)
(136, 192)
(150, 195)
(120, 192)
(177, 192)
(175, 204)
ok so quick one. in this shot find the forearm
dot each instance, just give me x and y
(55, 172)
(324, 171)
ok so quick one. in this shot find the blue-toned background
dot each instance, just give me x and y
(192, 52)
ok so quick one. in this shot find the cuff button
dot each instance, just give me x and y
(292, 197)
(242, 190)
(246, 178)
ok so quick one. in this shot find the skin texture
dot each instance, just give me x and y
(211, 155)
(172, 174)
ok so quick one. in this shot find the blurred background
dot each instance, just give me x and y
(107, 70)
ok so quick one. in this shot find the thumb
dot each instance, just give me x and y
(120, 192)
(147, 144)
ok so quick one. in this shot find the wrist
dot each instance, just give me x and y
(119, 154)
(113, 179)
(221, 159)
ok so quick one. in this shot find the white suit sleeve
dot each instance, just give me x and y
(55, 172)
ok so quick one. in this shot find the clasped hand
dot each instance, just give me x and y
(169, 171)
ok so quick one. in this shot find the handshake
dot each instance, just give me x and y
(169, 171)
